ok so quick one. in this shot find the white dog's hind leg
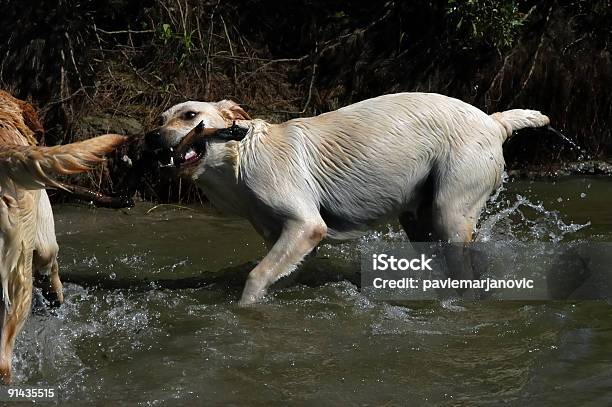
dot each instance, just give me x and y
(455, 221)
(297, 239)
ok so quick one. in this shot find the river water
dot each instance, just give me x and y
(151, 318)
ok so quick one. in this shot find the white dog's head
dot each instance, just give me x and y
(182, 118)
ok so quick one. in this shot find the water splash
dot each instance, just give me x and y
(572, 143)
(505, 219)
(522, 220)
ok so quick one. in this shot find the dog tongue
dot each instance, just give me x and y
(190, 154)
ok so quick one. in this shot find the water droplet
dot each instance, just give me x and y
(583, 195)
(112, 276)
(559, 199)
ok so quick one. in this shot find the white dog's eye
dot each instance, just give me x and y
(189, 115)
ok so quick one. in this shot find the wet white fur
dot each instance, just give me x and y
(356, 166)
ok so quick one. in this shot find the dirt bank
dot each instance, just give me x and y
(114, 66)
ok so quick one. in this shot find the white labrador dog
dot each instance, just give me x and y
(428, 159)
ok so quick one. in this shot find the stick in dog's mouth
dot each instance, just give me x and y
(192, 147)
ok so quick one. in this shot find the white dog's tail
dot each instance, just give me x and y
(517, 119)
(28, 166)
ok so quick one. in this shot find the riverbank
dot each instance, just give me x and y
(93, 67)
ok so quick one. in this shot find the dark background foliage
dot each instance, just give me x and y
(93, 66)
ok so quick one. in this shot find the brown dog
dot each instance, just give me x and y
(28, 248)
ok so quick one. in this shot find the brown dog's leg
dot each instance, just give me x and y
(56, 285)
(297, 239)
(46, 270)
(16, 272)
(20, 292)
(13, 320)
(49, 281)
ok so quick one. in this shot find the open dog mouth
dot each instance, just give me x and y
(170, 158)
(192, 147)
(191, 155)
(190, 150)
(164, 157)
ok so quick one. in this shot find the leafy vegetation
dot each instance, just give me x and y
(475, 23)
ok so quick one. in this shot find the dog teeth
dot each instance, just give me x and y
(168, 164)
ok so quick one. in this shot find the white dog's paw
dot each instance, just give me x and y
(254, 291)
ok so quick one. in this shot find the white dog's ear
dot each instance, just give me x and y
(230, 110)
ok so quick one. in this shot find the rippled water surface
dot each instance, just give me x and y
(151, 318)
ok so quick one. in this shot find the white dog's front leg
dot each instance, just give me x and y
(297, 239)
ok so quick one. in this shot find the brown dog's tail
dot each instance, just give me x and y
(517, 119)
(28, 166)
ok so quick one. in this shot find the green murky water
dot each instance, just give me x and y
(144, 323)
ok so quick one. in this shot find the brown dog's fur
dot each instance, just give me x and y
(27, 237)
